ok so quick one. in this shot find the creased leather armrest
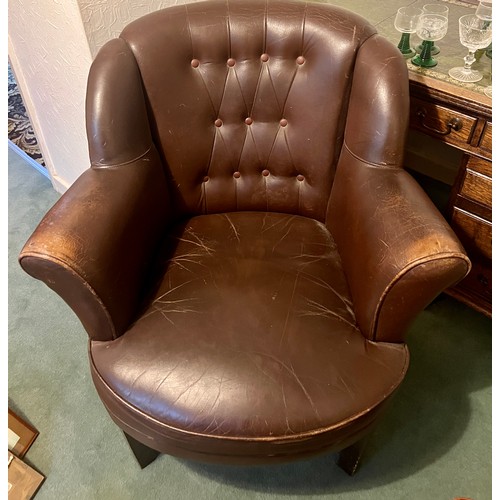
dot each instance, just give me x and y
(397, 250)
(94, 247)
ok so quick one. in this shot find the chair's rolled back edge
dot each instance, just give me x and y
(73, 289)
(378, 113)
(118, 129)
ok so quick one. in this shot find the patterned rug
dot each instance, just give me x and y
(20, 129)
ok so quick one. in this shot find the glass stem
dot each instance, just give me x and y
(469, 59)
(426, 53)
(404, 43)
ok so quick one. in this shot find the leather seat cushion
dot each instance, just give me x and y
(250, 336)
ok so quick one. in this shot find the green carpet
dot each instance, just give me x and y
(435, 442)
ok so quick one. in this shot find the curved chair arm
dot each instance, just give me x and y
(95, 245)
(397, 250)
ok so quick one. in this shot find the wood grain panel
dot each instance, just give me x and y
(477, 187)
(475, 288)
(23, 481)
(487, 140)
(479, 165)
(474, 233)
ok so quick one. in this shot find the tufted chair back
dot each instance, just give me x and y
(246, 100)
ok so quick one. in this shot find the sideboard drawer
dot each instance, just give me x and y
(477, 187)
(478, 283)
(474, 232)
(486, 140)
(448, 125)
(479, 165)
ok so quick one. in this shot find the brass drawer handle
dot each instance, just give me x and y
(453, 124)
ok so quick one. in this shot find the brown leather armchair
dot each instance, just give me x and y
(246, 251)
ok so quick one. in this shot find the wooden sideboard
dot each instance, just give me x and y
(462, 119)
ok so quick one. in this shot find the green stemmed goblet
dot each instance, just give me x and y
(406, 21)
(430, 28)
(433, 8)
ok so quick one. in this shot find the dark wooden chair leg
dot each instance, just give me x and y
(142, 453)
(350, 457)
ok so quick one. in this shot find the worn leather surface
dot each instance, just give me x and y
(250, 334)
(397, 250)
(246, 251)
(118, 130)
(95, 246)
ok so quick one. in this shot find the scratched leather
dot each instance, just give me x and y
(251, 333)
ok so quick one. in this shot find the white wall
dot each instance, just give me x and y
(50, 56)
(51, 46)
(105, 19)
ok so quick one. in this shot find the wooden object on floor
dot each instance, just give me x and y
(24, 481)
(23, 435)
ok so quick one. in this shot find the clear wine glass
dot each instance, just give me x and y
(484, 10)
(475, 34)
(430, 28)
(406, 21)
(434, 8)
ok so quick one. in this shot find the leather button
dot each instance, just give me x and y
(264, 57)
(283, 122)
(248, 121)
(300, 177)
(236, 175)
(206, 178)
(265, 172)
(231, 62)
(195, 63)
(218, 122)
(301, 60)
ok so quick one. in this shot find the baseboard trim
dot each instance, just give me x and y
(28, 159)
